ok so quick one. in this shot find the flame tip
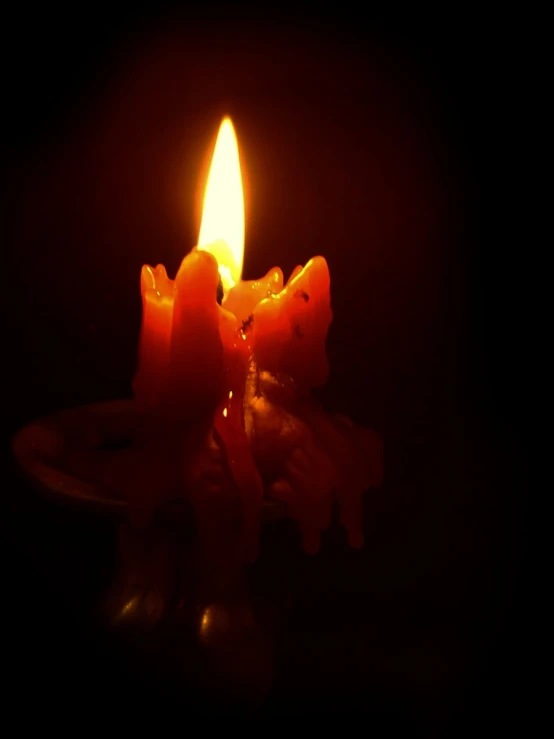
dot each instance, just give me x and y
(222, 227)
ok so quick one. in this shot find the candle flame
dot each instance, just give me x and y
(222, 227)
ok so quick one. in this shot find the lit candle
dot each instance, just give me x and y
(240, 375)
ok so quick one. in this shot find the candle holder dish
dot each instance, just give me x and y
(63, 456)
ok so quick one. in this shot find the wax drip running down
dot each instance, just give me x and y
(279, 442)
(229, 425)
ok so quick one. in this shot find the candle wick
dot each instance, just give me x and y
(219, 293)
(302, 294)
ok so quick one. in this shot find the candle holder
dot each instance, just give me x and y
(63, 456)
(185, 616)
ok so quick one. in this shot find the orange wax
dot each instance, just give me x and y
(290, 328)
(245, 295)
(195, 377)
(229, 424)
(157, 292)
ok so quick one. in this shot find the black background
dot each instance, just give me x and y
(379, 143)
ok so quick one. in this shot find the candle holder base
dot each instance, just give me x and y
(165, 602)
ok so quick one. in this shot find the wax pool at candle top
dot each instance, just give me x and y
(245, 296)
(183, 330)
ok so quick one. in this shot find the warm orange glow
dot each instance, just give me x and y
(222, 227)
(205, 620)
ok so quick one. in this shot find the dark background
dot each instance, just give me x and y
(379, 143)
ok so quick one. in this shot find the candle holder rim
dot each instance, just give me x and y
(38, 445)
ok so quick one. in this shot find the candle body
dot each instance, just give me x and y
(236, 378)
